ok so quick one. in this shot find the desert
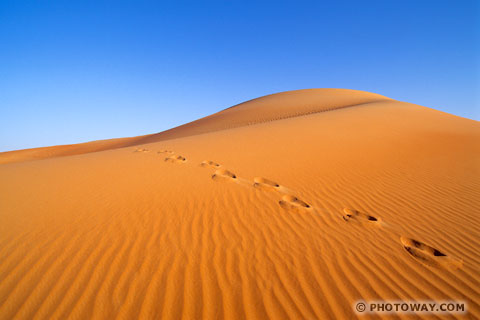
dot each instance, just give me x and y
(294, 205)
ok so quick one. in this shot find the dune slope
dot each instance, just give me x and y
(264, 109)
(271, 209)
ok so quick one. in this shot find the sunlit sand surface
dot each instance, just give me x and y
(290, 206)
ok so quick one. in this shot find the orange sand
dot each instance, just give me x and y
(290, 206)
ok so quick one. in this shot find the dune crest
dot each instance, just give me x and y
(271, 209)
(268, 108)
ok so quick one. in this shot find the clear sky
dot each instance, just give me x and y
(75, 71)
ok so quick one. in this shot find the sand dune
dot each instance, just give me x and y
(268, 108)
(271, 209)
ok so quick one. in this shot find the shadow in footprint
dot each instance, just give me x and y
(262, 183)
(224, 175)
(351, 214)
(429, 255)
(175, 159)
(290, 202)
(209, 163)
(141, 150)
(165, 151)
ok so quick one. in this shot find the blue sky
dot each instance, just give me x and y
(75, 71)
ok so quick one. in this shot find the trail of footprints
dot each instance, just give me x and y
(351, 214)
(175, 159)
(429, 255)
(418, 250)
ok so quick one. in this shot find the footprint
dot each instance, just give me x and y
(351, 214)
(175, 159)
(141, 150)
(290, 202)
(262, 183)
(209, 163)
(429, 255)
(225, 175)
(165, 151)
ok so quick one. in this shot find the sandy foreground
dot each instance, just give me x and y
(291, 206)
